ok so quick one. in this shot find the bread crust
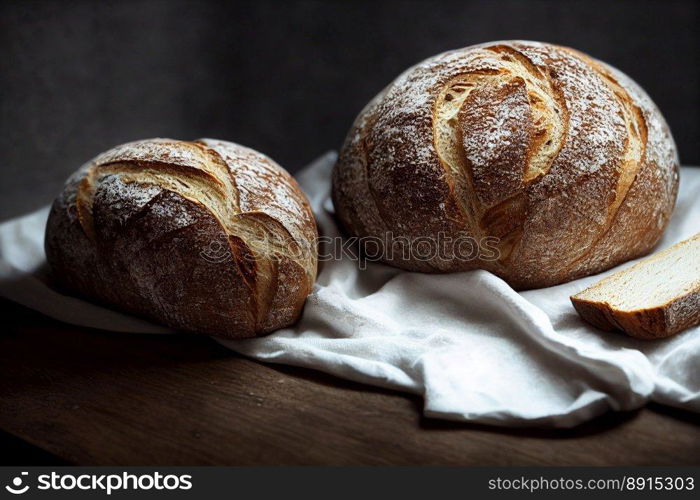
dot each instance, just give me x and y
(205, 236)
(562, 159)
(647, 324)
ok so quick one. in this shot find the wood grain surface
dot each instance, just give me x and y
(98, 398)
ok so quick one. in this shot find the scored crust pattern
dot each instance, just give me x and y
(560, 159)
(206, 236)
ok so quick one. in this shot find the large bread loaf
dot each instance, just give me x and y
(556, 165)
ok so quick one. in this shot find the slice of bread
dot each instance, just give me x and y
(653, 299)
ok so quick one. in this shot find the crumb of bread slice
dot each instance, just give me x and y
(655, 298)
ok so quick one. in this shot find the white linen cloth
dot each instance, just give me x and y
(475, 349)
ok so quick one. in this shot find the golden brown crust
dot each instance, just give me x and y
(204, 236)
(561, 158)
(647, 324)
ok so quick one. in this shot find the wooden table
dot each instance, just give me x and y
(98, 398)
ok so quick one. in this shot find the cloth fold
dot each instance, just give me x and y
(470, 345)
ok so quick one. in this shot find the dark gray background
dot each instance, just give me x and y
(286, 78)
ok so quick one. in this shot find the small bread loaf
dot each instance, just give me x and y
(653, 299)
(532, 161)
(205, 236)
